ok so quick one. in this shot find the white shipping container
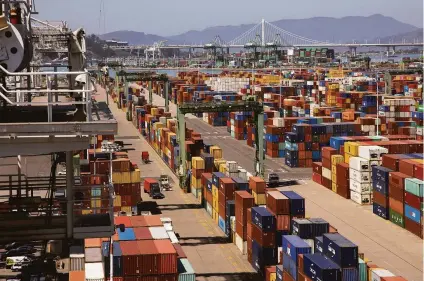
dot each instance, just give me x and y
(173, 237)
(372, 152)
(242, 173)
(279, 250)
(326, 173)
(209, 209)
(361, 199)
(241, 245)
(359, 164)
(233, 223)
(377, 273)
(158, 232)
(76, 262)
(359, 176)
(362, 188)
(94, 271)
(93, 255)
(232, 166)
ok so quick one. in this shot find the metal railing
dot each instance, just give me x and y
(86, 91)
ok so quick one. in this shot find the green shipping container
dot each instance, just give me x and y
(396, 218)
(363, 273)
(414, 186)
(185, 271)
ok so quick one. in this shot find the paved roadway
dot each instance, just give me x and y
(212, 258)
(384, 243)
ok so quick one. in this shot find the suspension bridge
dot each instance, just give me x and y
(266, 34)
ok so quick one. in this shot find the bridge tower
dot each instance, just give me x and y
(263, 33)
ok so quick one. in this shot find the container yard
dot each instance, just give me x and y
(256, 159)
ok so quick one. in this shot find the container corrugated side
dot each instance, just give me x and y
(158, 232)
(185, 270)
(167, 257)
(148, 258)
(93, 255)
(94, 271)
(130, 256)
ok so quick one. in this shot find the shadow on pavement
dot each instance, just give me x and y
(170, 207)
(238, 276)
(149, 206)
(195, 241)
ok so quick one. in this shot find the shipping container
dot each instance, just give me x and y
(130, 257)
(167, 257)
(94, 271)
(342, 251)
(158, 232)
(297, 203)
(319, 267)
(126, 235)
(185, 271)
(378, 273)
(294, 245)
(77, 275)
(93, 255)
(76, 258)
(263, 219)
(277, 203)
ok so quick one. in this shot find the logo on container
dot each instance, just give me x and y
(332, 250)
(312, 271)
(288, 252)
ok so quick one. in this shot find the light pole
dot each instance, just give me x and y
(378, 122)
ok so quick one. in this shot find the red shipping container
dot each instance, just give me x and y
(419, 171)
(396, 205)
(123, 220)
(300, 262)
(243, 201)
(317, 178)
(138, 221)
(397, 193)
(167, 259)
(287, 276)
(380, 199)
(180, 252)
(413, 200)
(328, 151)
(407, 167)
(167, 277)
(414, 227)
(277, 203)
(265, 239)
(142, 233)
(148, 183)
(227, 186)
(147, 260)
(241, 230)
(326, 163)
(283, 222)
(257, 184)
(268, 271)
(153, 220)
(130, 256)
(397, 179)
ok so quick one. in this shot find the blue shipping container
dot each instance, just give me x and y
(318, 245)
(263, 219)
(290, 266)
(318, 267)
(302, 228)
(294, 245)
(340, 250)
(221, 223)
(265, 255)
(297, 203)
(380, 210)
(350, 274)
(319, 227)
(215, 178)
(241, 184)
(127, 235)
(412, 214)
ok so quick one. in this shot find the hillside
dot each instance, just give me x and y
(407, 36)
(343, 29)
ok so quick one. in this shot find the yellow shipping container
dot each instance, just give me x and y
(197, 163)
(195, 182)
(170, 135)
(223, 168)
(154, 111)
(333, 177)
(216, 152)
(126, 209)
(214, 191)
(215, 216)
(351, 148)
(260, 199)
(218, 162)
(135, 176)
(273, 276)
(117, 177)
(334, 187)
(419, 161)
(86, 212)
(334, 168)
(126, 177)
(335, 159)
(215, 204)
(158, 125)
(347, 157)
(117, 201)
(96, 203)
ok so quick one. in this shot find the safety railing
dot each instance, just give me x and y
(85, 91)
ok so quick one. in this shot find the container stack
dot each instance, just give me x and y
(198, 168)
(243, 201)
(335, 159)
(238, 124)
(292, 247)
(274, 140)
(258, 185)
(263, 229)
(327, 154)
(126, 180)
(94, 266)
(225, 195)
(216, 177)
(380, 189)
(77, 263)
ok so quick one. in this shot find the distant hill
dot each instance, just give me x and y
(132, 37)
(407, 36)
(334, 30)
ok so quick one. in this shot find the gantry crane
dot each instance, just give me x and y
(248, 105)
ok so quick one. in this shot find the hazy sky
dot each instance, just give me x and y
(170, 17)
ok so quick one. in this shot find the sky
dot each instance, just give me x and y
(175, 17)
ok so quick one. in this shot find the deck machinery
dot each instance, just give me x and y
(46, 113)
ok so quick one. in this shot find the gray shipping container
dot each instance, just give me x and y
(93, 255)
(76, 258)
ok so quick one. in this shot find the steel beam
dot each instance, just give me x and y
(167, 96)
(150, 93)
(69, 194)
(182, 155)
(59, 128)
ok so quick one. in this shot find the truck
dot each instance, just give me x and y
(273, 180)
(164, 183)
(151, 186)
